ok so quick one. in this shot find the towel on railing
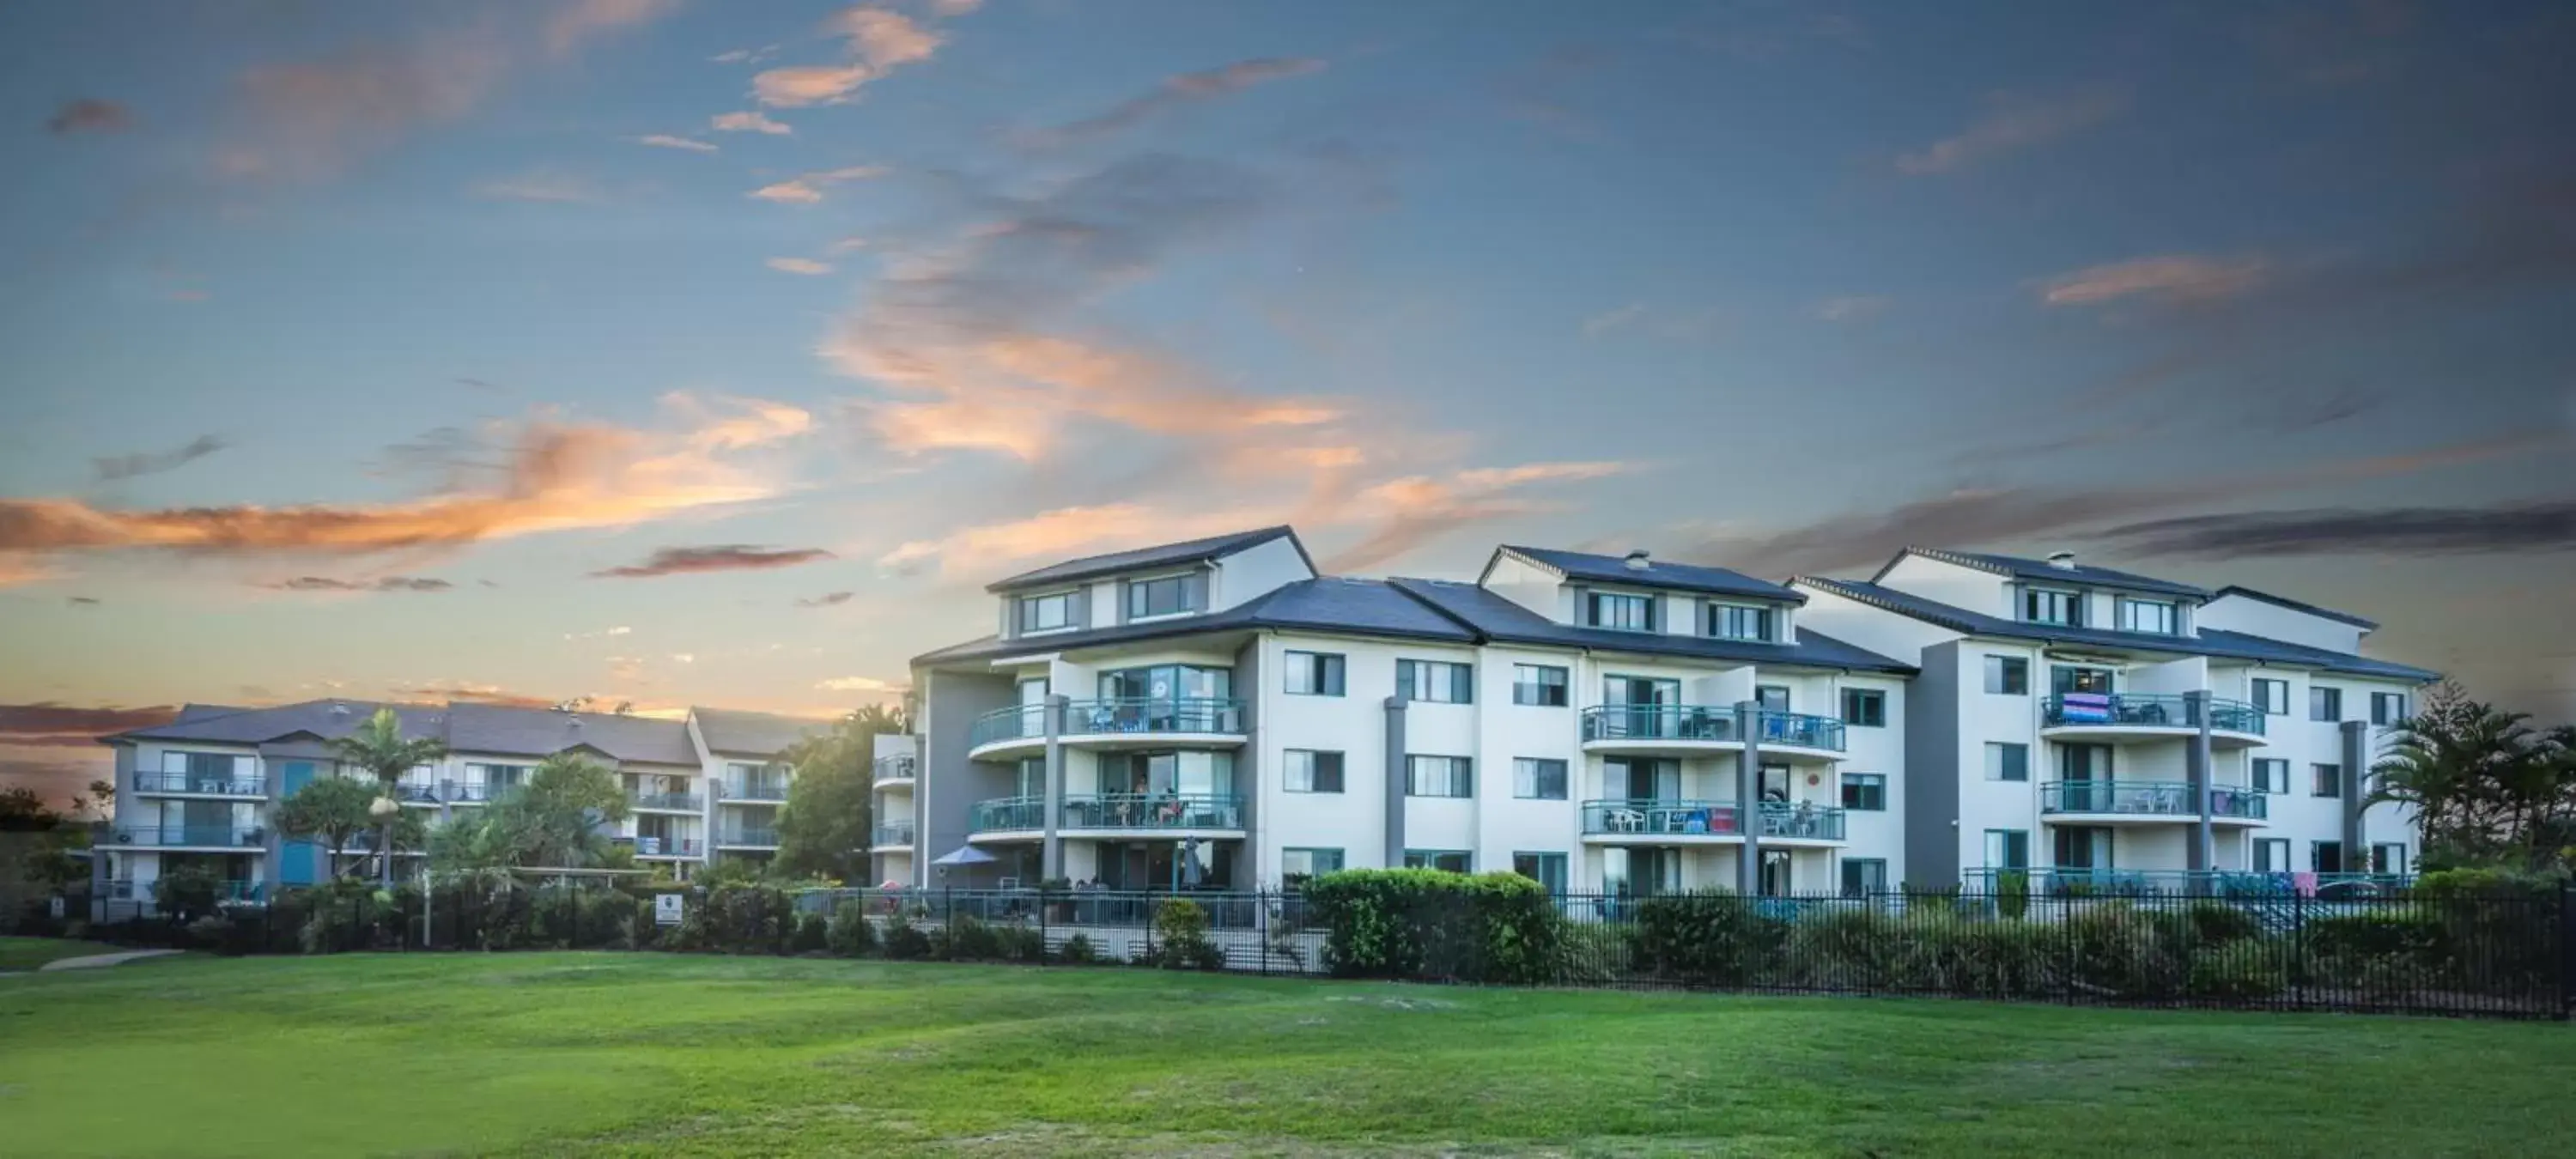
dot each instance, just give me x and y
(2084, 707)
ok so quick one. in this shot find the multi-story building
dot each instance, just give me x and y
(200, 789)
(1216, 713)
(2079, 724)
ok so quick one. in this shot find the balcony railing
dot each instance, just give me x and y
(1661, 815)
(892, 835)
(1008, 813)
(2150, 799)
(1615, 722)
(416, 794)
(755, 790)
(225, 785)
(1018, 722)
(668, 847)
(217, 836)
(2146, 710)
(224, 891)
(1152, 811)
(1798, 728)
(1148, 715)
(2080, 881)
(749, 835)
(1802, 820)
(689, 802)
(897, 768)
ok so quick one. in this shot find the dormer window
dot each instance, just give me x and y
(2052, 606)
(1620, 611)
(1052, 612)
(2157, 616)
(1170, 595)
(1739, 622)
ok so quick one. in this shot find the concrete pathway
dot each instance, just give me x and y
(94, 961)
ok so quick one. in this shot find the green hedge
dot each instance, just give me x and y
(1431, 924)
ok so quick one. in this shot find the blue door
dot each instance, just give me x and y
(301, 862)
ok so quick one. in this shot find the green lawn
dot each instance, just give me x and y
(649, 1054)
(29, 953)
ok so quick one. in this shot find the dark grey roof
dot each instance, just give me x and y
(194, 712)
(1679, 577)
(1499, 619)
(1326, 604)
(540, 732)
(328, 719)
(2021, 568)
(1165, 555)
(2210, 641)
(753, 734)
(2296, 606)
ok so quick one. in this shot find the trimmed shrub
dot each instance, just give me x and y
(2219, 924)
(904, 941)
(1078, 951)
(1019, 942)
(739, 918)
(813, 934)
(2114, 950)
(1709, 937)
(1426, 923)
(2012, 894)
(2243, 970)
(1181, 937)
(965, 938)
(849, 935)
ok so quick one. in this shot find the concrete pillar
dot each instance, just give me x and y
(1748, 796)
(1395, 709)
(2356, 780)
(2196, 770)
(272, 861)
(1052, 856)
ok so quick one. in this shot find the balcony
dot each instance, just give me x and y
(192, 836)
(1791, 731)
(1670, 821)
(754, 791)
(887, 837)
(749, 837)
(2132, 717)
(1117, 723)
(1005, 814)
(1686, 730)
(411, 793)
(670, 803)
(2116, 802)
(651, 846)
(1153, 812)
(895, 772)
(193, 785)
(232, 891)
(2083, 881)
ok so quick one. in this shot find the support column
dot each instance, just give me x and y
(1051, 859)
(1395, 710)
(2356, 777)
(2196, 769)
(1748, 797)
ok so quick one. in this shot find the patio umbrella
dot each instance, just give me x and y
(1190, 863)
(966, 855)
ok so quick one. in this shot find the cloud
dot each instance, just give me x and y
(2012, 124)
(806, 266)
(2182, 278)
(391, 583)
(444, 690)
(82, 601)
(1858, 308)
(114, 467)
(828, 599)
(807, 188)
(745, 55)
(581, 20)
(1412, 511)
(2524, 528)
(854, 684)
(89, 115)
(1174, 93)
(310, 119)
(555, 188)
(49, 724)
(1637, 316)
(667, 141)
(879, 41)
(720, 557)
(751, 122)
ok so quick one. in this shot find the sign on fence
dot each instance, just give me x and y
(54, 906)
(666, 909)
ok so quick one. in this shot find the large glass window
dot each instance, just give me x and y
(1166, 595)
(2006, 761)
(1739, 622)
(1777, 880)
(1538, 779)
(1313, 674)
(2007, 848)
(1640, 779)
(1771, 697)
(2065, 678)
(1311, 771)
(2388, 857)
(1621, 611)
(2326, 856)
(1436, 681)
(2084, 762)
(2272, 696)
(2271, 775)
(1641, 872)
(1540, 684)
(1167, 682)
(1453, 860)
(2008, 675)
(2325, 780)
(1297, 866)
(1547, 869)
(2325, 704)
(1863, 876)
(2387, 708)
(1193, 774)
(1865, 707)
(1050, 612)
(1865, 791)
(2149, 616)
(2271, 855)
(2052, 606)
(1439, 777)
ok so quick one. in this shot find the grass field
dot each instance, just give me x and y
(649, 1054)
(29, 953)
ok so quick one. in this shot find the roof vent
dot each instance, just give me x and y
(339, 709)
(2062, 560)
(1638, 560)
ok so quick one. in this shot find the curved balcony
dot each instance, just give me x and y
(2147, 802)
(670, 803)
(1682, 730)
(190, 785)
(897, 772)
(1007, 815)
(1178, 814)
(2134, 717)
(192, 836)
(1134, 722)
(1689, 822)
(753, 792)
(748, 837)
(669, 847)
(890, 838)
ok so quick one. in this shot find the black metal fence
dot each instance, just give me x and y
(2504, 956)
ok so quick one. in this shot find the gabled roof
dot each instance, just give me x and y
(1679, 577)
(1164, 555)
(2018, 567)
(1496, 618)
(1325, 604)
(2296, 606)
(326, 719)
(543, 732)
(194, 712)
(733, 732)
(2210, 641)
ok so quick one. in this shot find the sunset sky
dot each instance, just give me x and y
(682, 352)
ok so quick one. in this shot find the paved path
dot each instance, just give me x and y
(94, 961)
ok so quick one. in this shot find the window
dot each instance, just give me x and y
(2388, 857)
(1314, 674)
(2325, 704)
(1866, 707)
(2051, 606)
(2271, 855)
(1738, 622)
(1771, 697)
(1435, 681)
(1865, 791)
(1625, 613)
(1453, 860)
(1168, 595)
(2272, 696)
(2148, 616)
(1049, 613)
(2007, 676)
(1547, 869)
(2083, 762)
(1298, 866)
(1538, 779)
(2387, 708)
(1863, 876)
(2007, 848)
(1439, 777)
(2271, 775)
(2325, 856)
(2065, 678)
(1539, 684)
(2325, 780)
(2007, 762)
(1312, 772)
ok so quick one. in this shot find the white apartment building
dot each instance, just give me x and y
(1216, 713)
(2082, 725)
(200, 789)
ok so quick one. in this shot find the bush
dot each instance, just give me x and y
(2114, 949)
(1078, 951)
(348, 915)
(2219, 924)
(223, 935)
(813, 934)
(849, 935)
(1181, 937)
(965, 938)
(2242, 970)
(2012, 894)
(1709, 938)
(1019, 942)
(904, 941)
(1426, 923)
(740, 917)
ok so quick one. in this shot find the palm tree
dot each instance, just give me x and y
(2468, 771)
(379, 747)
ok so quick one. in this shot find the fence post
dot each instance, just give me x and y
(2566, 950)
(948, 924)
(2298, 948)
(1261, 927)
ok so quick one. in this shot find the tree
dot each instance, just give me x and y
(555, 820)
(824, 827)
(24, 810)
(334, 810)
(2485, 788)
(185, 892)
(380, 748)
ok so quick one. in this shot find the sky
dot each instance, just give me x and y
(667, 352)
